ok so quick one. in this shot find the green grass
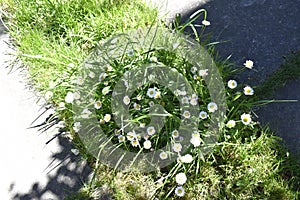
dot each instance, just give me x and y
(53, 37)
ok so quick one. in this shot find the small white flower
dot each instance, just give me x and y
(193, 101)
(195, 140)
(249, 64)
(177, 147)
(61, 105)
(69, 97)
(137, 106)
(151, 103)
(157, 95)
(203, 115)
(107, 117)
(102, 76)
(179, 191)
(248, 90)
(121, 138)
(151, 92)
(185, 100)
(98, 104)
(163, 155)
(196, 77)
(135, 143)
(186, 114)
(76, 95)
(71, 65)
(48, 95)
(85, 113)
(92, 75)
(203, 72)
(77, 127)
(206, 23)
(142, 125)
(181, 178)
(109, 68)
(230, 124)
(126, 100)
(153, 59)
(131, 136)
(232, 84)
(182, 92)
(80, 81)
(106, 90)
(195, 96)
(188, 158)
(130, 52)
(151, 130)
(212, 107)
(147, 144)
(175, 134)
(246, 118)
(194, 69)
(139, 97)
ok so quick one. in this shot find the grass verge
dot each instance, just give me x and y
(54, 37)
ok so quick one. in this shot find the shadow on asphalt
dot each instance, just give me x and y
(263, 31)
(70, 174)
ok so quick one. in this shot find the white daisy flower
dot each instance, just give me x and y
(135, 143)
(77, 127)
(107, 117)
(109, 68)
(188, 158)
(137, 106)
(230, 124)
(69, 97)
(177, 147)
(61, 105)
(121, 138)
(92, 75)
(151, 92)
(179, 191)
(195, 96)
(101, 121)
(76, 95)
(163, 155)
(147, 144)
(151, 130)
(131, 136)
(249, 64)
(102, 76)
(248, 90)
(157, 95)
(203, 115)
(193, 101)
(203, 72)
(186, 114)
(139, 97)
(246, 118)
(80, 81)
(153, 59)
(98, 104)
(106, 90)
(212, 107)
(142, 125)
(175, 134)
(195, 140)
(196, 77)
(232, 84)
(85, 113)
(48, 95)
(130, 52)
(181, 178)
(194, 69)
(126, 100)
(151, 103)
(185, 100)
(206, 23)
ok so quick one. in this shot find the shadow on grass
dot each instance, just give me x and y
(70, 174)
